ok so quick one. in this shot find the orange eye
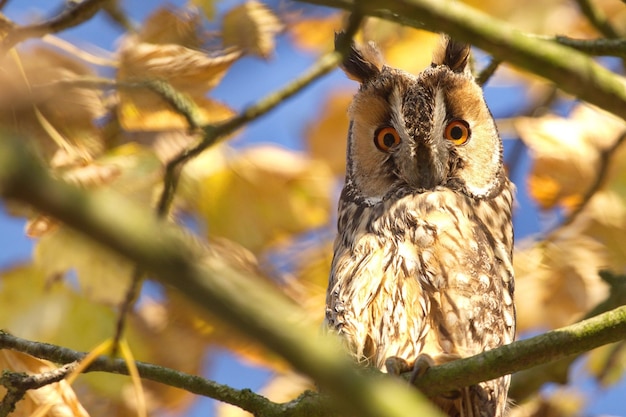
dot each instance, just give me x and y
(457, 131)
(385, 138)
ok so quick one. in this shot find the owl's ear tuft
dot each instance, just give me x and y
(452, 54)
(362, 63)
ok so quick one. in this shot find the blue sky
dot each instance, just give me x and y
(239, 89)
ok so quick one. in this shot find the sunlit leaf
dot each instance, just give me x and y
(189, 72)
(251, 27)
(316, 34)
(566, 153)
(558, 280)
(262, 194)
(33, 105)
(172, 26)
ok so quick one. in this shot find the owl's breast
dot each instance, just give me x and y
(409, 267)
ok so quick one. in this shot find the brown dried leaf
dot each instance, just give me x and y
(57, 117)
(57, 399)
(172, 26)
(188, 70)
(251, 27)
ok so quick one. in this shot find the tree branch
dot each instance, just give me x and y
(573, 71)
(558, 345)
(70, 17)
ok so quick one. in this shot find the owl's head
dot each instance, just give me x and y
(417, 133)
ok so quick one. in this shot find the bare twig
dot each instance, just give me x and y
(597, 18)
(488, 71)
(70, 17)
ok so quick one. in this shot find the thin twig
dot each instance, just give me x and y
(72, 16)
(596, 47)
(488, 71)
(597, 18)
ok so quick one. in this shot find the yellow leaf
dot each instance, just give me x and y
(316, 34)
(54, 400)
(259, 195)
(566, 153)
(251, 27)
(146, 111)
(557, 281)
(188, 70)
(103, 275)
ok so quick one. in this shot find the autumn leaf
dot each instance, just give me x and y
(172, 26)
(251, 27)
(53, 400)
(59, 118)
(558, 279)
(154, 54)
(566, 153)
(315, 34)
(259, 195)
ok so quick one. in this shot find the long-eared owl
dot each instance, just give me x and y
(422, 263)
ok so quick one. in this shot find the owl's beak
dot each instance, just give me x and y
(421, 169)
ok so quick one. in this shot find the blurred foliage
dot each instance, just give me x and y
(256, 202)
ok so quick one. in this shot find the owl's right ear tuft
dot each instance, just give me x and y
(362, 63)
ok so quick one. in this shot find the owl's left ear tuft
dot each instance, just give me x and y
(362, 63)
(452, 54)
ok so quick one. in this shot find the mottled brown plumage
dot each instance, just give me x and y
(422, 260)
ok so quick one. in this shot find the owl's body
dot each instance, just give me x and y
(422, 261)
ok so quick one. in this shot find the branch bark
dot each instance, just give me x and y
(573, 71)
(70, 17)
